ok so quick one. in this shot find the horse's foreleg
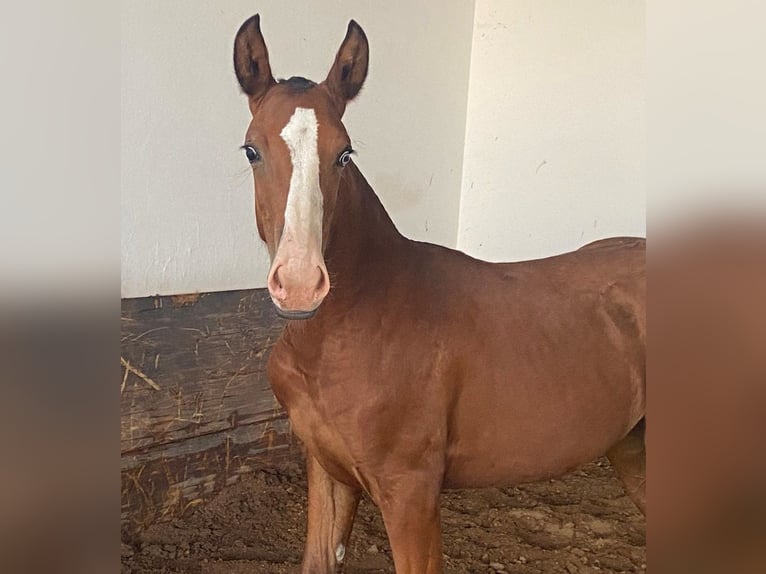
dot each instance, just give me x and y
(411, 515)
(331, 509)
(628, 457)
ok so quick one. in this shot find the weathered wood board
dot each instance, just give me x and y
(197, 410)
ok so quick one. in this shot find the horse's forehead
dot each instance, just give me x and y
(280, 106)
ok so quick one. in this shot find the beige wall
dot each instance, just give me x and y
(187, 205)
(554, 143)
(542, 153)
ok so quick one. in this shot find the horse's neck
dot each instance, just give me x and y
(363, 239)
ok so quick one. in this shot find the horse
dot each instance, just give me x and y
(407, 368)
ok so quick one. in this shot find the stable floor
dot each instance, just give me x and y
(580, 523)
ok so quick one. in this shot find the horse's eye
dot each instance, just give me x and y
(344, 158)
(251, 153)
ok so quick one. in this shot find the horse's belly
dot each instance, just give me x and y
(509, 438)
(499, 463)
(537, 409)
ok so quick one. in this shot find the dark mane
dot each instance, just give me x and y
(298, 84)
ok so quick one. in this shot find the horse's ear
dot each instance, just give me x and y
(251, 59)
(350, 67)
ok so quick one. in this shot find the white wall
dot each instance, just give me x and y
(544, 151)
(187, 199)
(554, 144)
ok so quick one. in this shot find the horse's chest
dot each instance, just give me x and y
(318, 403)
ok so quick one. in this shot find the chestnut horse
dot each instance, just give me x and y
(407, 368)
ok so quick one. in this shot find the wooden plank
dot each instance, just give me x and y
(197, 408)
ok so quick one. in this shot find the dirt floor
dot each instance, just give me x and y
(581, 523)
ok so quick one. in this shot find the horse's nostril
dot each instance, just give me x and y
(323, 283)
(321, 280)
(276, 287)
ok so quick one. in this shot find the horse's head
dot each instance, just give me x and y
(298, 147)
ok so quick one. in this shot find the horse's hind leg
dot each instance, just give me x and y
(628, 457)
(331, 510)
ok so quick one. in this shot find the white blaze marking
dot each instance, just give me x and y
(303, 212)
(340, 552)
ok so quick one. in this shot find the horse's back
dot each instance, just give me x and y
(608, 243)
(596, 265)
